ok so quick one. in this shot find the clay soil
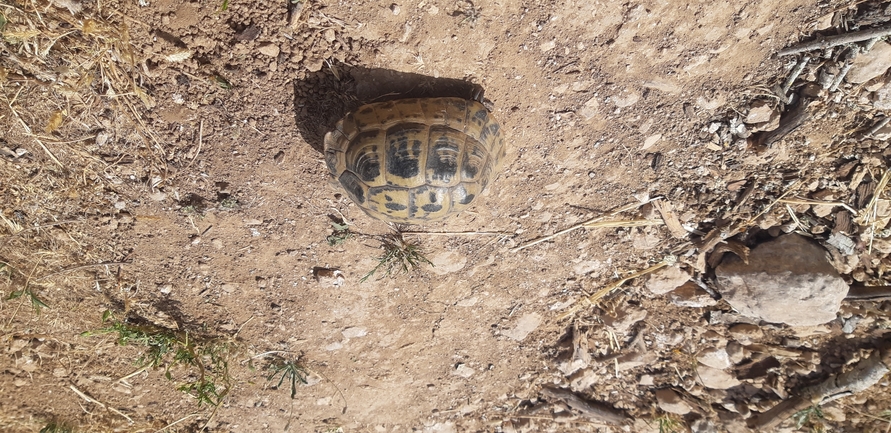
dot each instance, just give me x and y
(194, 200)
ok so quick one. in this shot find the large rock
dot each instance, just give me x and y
(788, 280)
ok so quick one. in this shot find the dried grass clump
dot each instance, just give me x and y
(65, 74)
(61, 66)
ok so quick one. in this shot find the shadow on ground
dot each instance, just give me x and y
(324, 97)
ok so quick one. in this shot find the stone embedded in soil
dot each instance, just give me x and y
(651, 140)
(691, 295)
(710, 104)
(714, 357)
(746, 333)
(627, 98)
(525, 325)
(870, 65)
(760, 112)
(589, 109)
(447, 262)
(354, 332)
(270, 50)
(671, 402)
(715, 378)
(666, 280)
(463, 371)
(787, 280)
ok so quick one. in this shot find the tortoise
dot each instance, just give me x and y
(415, 160)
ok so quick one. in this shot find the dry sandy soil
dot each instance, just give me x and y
(169, 179)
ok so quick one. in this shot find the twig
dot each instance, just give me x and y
(133, 374)
(590, 300)
(28, 131)
(795, 219)
(74, 268)
(834, 41)
(103, 405)
(868, 293)
(176, 422)
(590, 409)
(875, 128)
(200, 140)
(794, 76)
(24, 292)
(583, 224)
(849, 63)
(872, 209)
(865, 374)
(459, 233)
(719, 234)
(816, 203)
(37, 227)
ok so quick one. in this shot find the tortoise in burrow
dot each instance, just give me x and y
(415, 160)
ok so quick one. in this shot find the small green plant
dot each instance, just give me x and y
(219, 79)
(57, 427)
(36, 302)
(205, 358)
(292, 371)
(669, 423)
(341, 234)
(399, 255)
(811, 417)
(228, 203)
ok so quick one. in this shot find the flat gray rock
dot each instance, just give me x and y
(788, 280)
(671, 402)
(870, 65)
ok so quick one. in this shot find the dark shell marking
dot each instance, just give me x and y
(415, 160)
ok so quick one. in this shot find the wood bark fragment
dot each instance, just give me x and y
(834, 41)
(875, 128)
(865, 374)
(868, 293)
(595, 411)
(670, 218)
(790, 121)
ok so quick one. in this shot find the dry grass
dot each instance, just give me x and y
(65, 73)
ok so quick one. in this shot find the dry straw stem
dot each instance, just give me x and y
(592, 300)
(97, 402)
(598, 222)
(77, 57)
(797, 200)
(869, 214)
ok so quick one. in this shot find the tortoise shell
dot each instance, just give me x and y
(415, 160)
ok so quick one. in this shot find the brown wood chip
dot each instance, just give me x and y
(843, 222)
(670, 217)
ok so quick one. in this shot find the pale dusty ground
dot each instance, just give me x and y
(587, 92)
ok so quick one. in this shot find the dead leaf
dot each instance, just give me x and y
(54, 122)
